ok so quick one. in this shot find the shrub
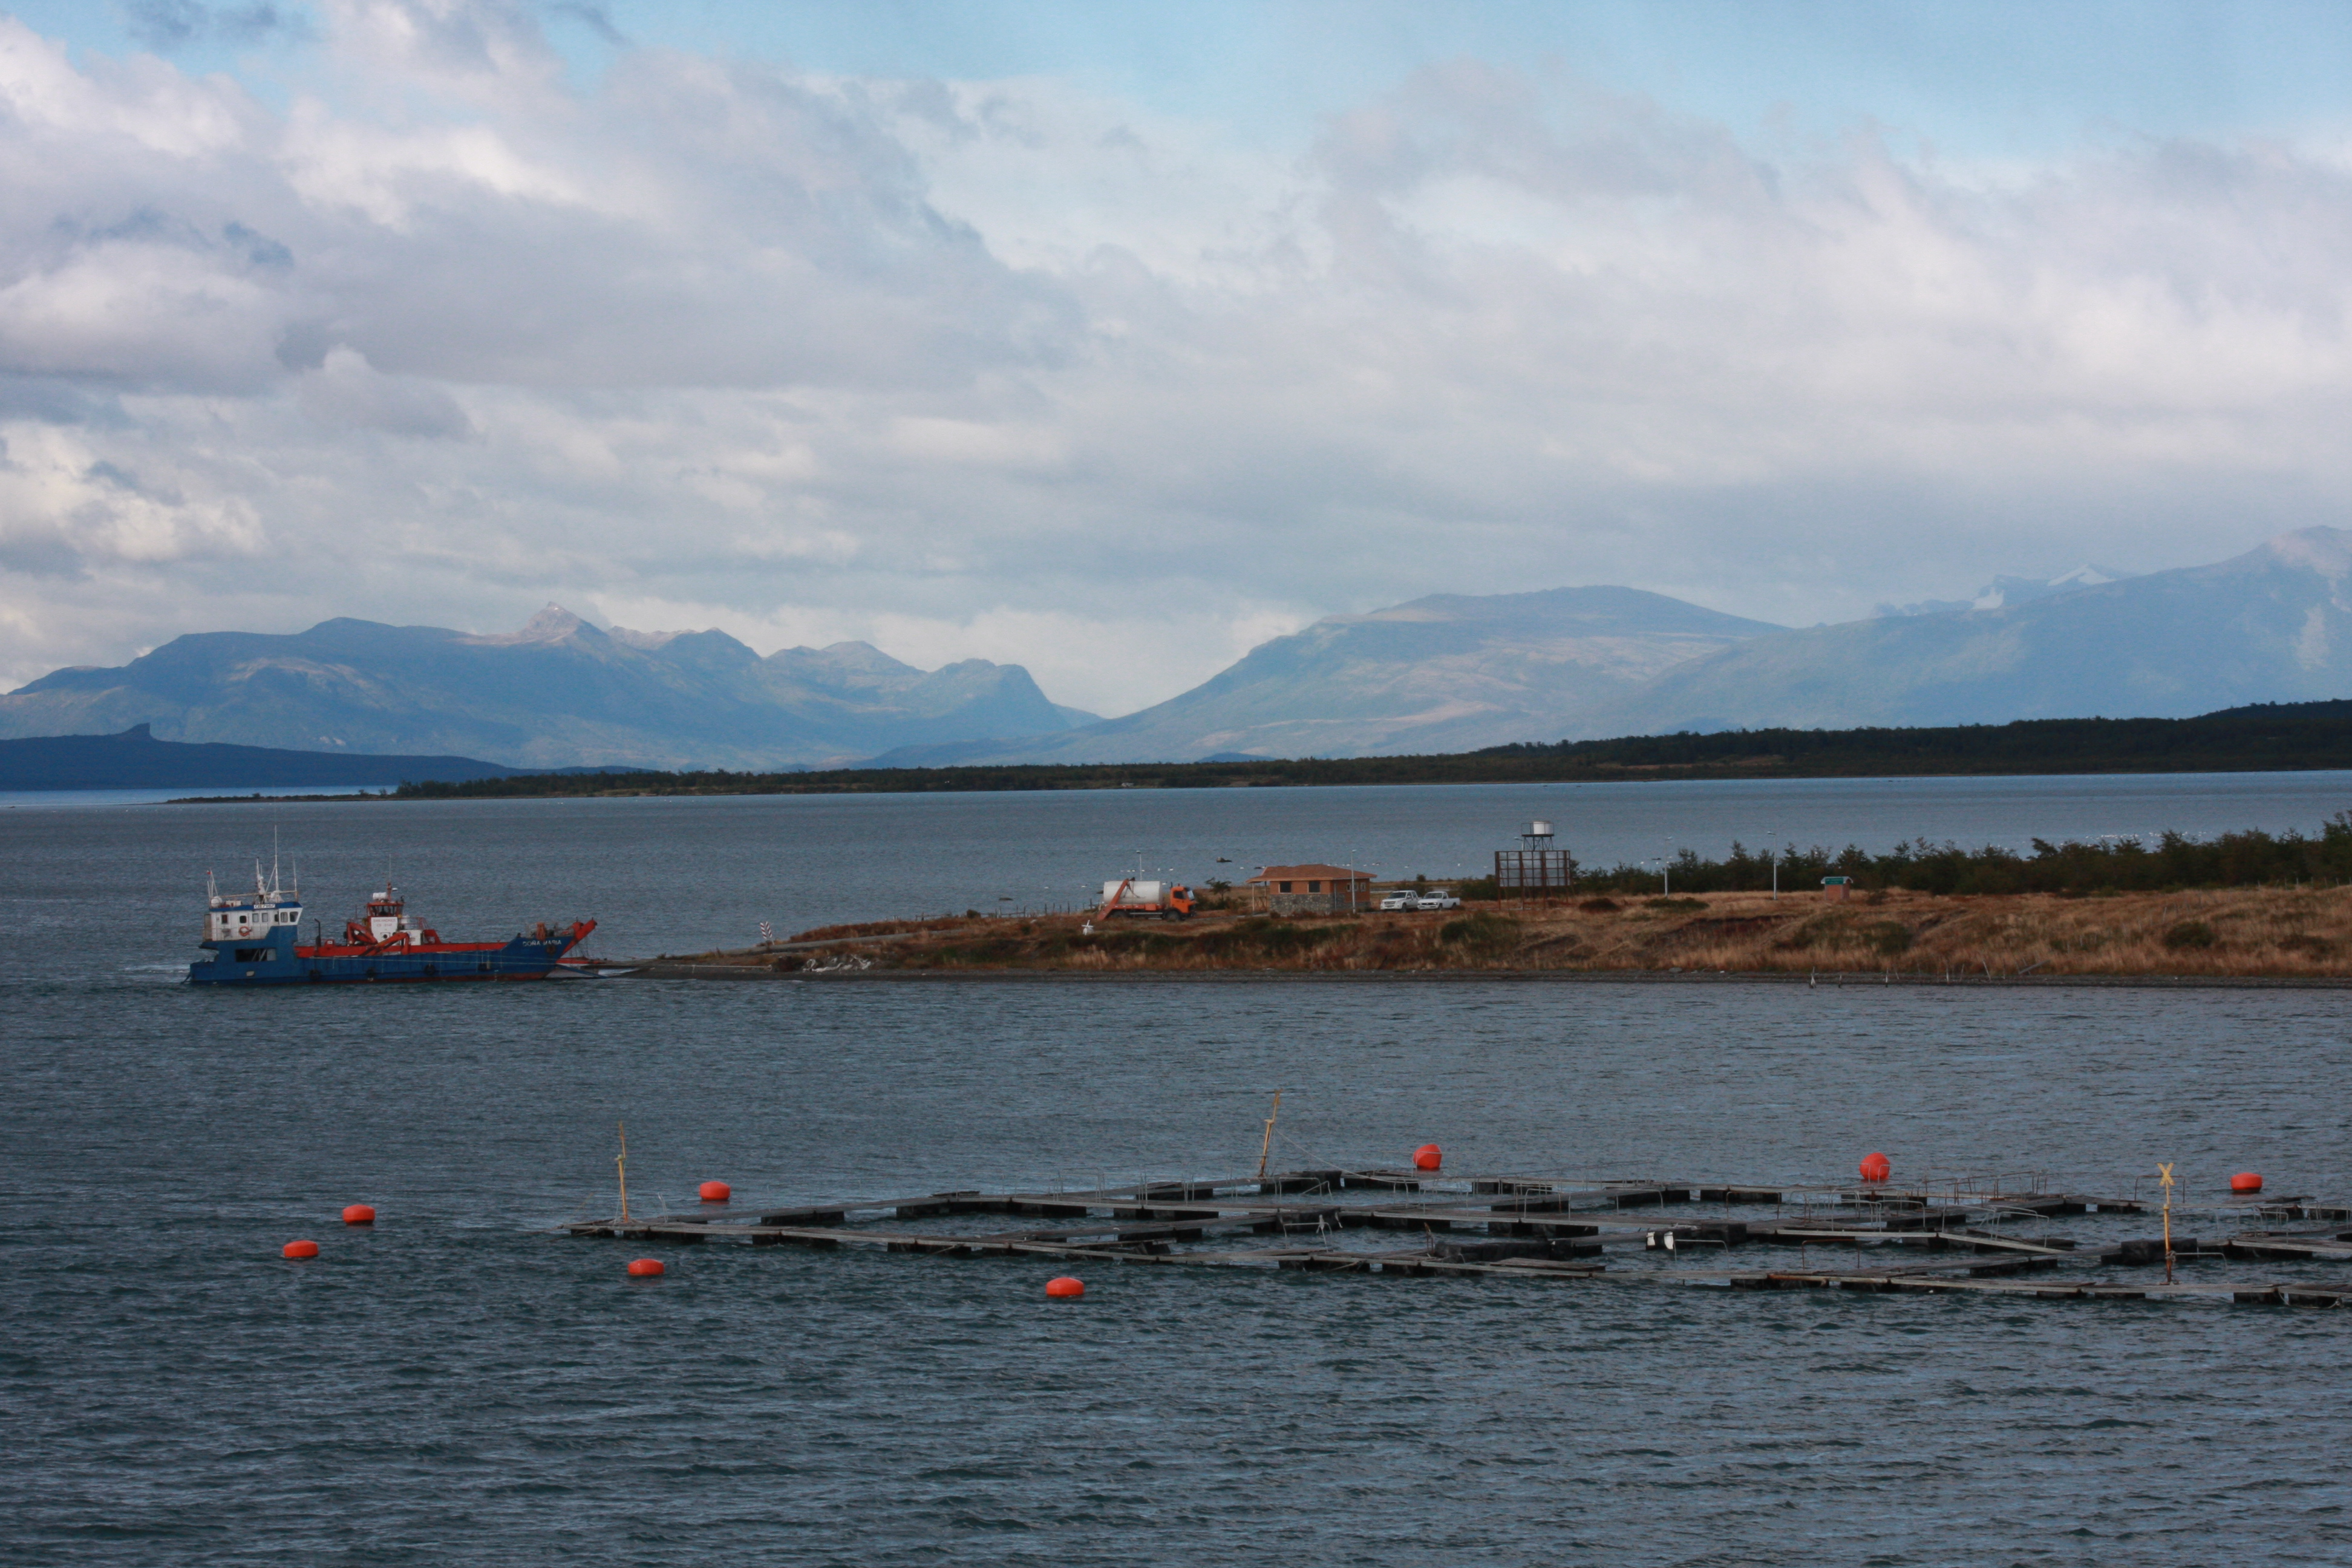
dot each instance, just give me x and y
(989, 950)
(1601, 906)
(2190, 935)
(1888, 938)
(1265, 934)
(1682, 906)
(1125, 939)
(1482, 934)
(1827, 930)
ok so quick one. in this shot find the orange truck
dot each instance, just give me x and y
(1134, 896)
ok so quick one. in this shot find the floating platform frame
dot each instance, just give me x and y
(1537, 1228)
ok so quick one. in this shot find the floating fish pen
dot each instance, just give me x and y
(1956, 1235)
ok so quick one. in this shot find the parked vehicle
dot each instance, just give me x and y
(1407, 899)
(1133, 896)
(1437, 899)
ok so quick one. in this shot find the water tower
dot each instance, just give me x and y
(1535, 868)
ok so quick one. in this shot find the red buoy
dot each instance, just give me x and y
(359, 1214)
(1877, 1167)
(1062, 1287)
(644, 1268)
(716, 1192)
(2245, 1182)
(1428, 1157)
(299, 1250)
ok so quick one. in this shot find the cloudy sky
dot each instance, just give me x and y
(1111, 339)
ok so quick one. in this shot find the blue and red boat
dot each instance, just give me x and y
(256, 939)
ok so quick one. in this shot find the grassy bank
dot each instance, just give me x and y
(2234, 932)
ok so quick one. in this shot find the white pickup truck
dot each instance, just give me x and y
(1435, 899)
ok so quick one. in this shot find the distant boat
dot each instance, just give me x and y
(255, 939)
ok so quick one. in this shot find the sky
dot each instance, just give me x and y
(1113, 339)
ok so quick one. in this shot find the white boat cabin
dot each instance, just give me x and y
(241, 917)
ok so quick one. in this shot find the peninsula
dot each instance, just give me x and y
(1897, 935)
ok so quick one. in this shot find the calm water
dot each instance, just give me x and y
(456, 1386)
(683, 875)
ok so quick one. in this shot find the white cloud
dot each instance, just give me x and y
(67, 513)
(345, 389)
(1013, 370)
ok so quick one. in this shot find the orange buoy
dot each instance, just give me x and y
(299, 1250)
(2245, 1182)
(1062, 1287)
(716, 1192)
(359, 1214)
(1877, 1167)
(645, 1267)
(1428, 1157)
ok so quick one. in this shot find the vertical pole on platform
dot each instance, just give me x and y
(1266, 1150)
(2166, 1173)
(623, 1161)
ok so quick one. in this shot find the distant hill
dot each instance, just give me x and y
(1452, 673)
(136, 760)
(2005, 590)
(559, 692)
(2268, 736)
(2273, 624)
(1447, 673)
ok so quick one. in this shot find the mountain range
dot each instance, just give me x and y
(2005, 591)
(1445, 673)
(559, 692)
(2273, 624)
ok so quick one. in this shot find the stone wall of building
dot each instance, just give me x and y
(1308, 903)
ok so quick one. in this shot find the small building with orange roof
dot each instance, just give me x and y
(1312, 889)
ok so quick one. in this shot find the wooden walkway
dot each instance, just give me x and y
(1560, 1230)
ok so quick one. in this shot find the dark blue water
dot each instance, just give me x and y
(459, 1386)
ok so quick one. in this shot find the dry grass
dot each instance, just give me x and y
(878, 928)
(2256, 932)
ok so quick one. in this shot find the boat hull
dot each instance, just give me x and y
(278, 961)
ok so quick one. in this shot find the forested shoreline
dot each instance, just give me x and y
(2248, 858)
(2282, 737)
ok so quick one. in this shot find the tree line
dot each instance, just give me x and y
(2270, 736)
(2174, 860)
